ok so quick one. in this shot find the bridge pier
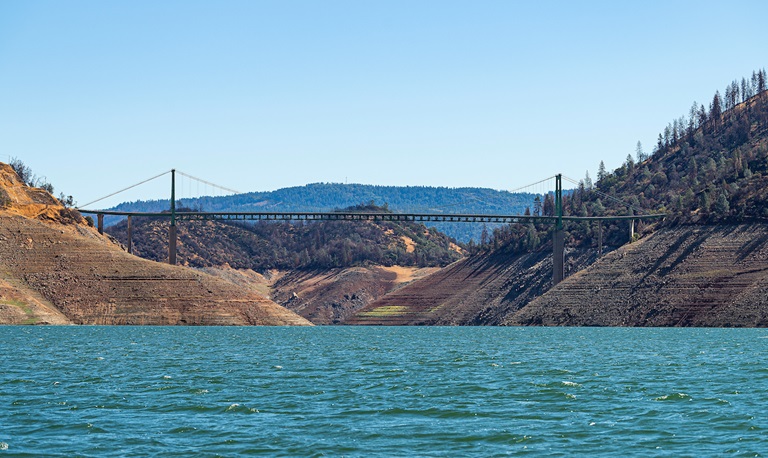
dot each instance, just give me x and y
(631, 230)
(130, 235)
(172, 230)
(558, 235)
(599, 238)
(100, 223)
(558, 256)
(172, 245)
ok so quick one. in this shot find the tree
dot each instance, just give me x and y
(22, 170)
(537, 206)
(745, 90)
(601, 172)
(716, 109)
(639, 153)
(630, 163)
(548, 208)
(66, 201)
(597, 208)
(587, 181)
(705, 203)
(722, 207)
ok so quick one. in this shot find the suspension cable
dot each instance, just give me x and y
(531, 185)
(602, 194)
(208, 182)
(125, 189)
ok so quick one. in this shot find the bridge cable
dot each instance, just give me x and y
(607, 196)
(531, 185)
(125, 189)
(477, 199)
(208, 183)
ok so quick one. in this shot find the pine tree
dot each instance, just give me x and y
(601, 172)
(639, 153)
(722, 207)
(716, 109)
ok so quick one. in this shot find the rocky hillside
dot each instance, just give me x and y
(331, 296)
(56, 269)
(683, 276)
(691, 275)
(484, 289)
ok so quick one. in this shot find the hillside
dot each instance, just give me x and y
(702, 275)
(333, 196)
(483, 289)
(705, 265)
(286, 246)
(692, 275)
(56, 269)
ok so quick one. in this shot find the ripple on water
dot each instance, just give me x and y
(377, 392)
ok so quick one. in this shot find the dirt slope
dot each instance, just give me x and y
(480, 290)
(681, 276)
(55, 269)
(324, 296)
(330, 296)
(684, 276)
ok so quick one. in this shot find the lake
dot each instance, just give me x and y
(374, 391)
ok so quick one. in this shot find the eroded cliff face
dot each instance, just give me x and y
(54, 268)
(682, 276)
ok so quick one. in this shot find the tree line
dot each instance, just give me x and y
(709, 168)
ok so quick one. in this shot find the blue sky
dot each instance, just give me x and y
(259, 95)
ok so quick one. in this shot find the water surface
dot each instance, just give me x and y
(360, 391)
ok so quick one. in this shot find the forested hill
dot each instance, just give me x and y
(286, 246)
(333, 196)
(708, 167)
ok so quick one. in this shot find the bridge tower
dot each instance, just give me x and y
(558, 237)
(172, 229)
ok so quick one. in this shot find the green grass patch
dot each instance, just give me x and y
(28, 310)
(387, 310)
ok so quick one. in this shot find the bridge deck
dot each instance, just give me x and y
(359, 216)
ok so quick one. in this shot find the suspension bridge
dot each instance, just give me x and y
(557, 218)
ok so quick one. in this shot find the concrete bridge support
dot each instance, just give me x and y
(130, 235)
(558, 256)
(172, 245)
(172, 229)
(599, 238)
(558, 235)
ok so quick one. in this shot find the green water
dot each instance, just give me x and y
(352, 391)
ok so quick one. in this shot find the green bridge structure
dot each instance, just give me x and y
(558, 245)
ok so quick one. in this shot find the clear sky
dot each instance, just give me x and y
(259, 95)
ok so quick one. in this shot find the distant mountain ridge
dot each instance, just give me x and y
(333, 196)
